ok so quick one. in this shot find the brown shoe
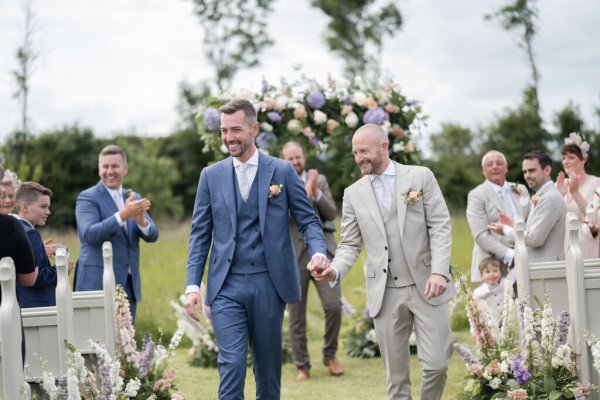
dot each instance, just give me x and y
(335, 369)
(303, 374)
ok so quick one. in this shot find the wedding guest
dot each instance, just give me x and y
(494, 197)
(14, 244)
(491, 290)
(319, 195)
(545, 226)
(9, 185)
(33, 206)
(578, 190)
(241, 217)
(104, 213)
(397, 212)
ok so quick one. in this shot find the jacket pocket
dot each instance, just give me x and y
(370, 272)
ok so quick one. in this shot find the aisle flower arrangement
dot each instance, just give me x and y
(524, 356)
(128, 374)
(361, 340)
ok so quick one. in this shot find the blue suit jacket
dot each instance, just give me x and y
(43, 292)
(96, 223)
(215, 217)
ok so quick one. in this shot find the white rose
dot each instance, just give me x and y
(351, 120)
(282, 102)
(244, 94)
(266, 127)
(224, 149)
(294, 126)
(359, 98)
(495, 383)
(397, 147)
(382, 96)
(371, 336)
(319, 117)
(386, 125)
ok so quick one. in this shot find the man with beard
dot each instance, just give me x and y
(241, 217)
(399, 214)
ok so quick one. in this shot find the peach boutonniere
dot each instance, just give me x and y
(274, 190)
(412, 196)
(535, 198)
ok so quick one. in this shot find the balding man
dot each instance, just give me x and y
(485, 203)
(399, 214)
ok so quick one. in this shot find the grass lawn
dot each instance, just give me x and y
(163, 279)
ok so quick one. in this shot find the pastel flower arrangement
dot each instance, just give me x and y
(411, 196)
(524, 356)
(127, 374)
(322, 118)
(274, 190)
(361, 341)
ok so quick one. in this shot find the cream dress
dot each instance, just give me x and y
(589, 244)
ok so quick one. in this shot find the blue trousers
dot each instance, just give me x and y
(248, 312)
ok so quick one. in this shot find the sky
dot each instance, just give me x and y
(115, 65)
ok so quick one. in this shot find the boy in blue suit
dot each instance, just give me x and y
(33, 206)
(105, 213)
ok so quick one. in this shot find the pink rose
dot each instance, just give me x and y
(370, 103)
(300, 111)
(308, 132)
(346, 109)
(413, 196)
(397, 132)
(476, 369)
(331, 125)
(391, 108)
(274, 190)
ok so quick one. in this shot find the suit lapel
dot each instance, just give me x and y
(404, 180)
(227, 189)
(367, 196)
(492, 195)
(264, 176)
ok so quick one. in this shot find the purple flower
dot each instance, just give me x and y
(347, 100)
(313, 140)
(147, 356)
(519, 371)
(266, 140)
(562, 330)
(465, 354)
(274, 116)
(367, 312)
(315, 100)
(265, 86)
(376, 116)
(411, 103)
(347, 139)
(212, 118)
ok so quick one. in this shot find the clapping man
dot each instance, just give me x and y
(399, 214)
(319, 195)
(241, 217)
(485, 205)
(104, 213)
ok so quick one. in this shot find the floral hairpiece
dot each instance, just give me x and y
(576, 140)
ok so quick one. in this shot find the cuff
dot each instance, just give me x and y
(145, 229)
(507, 230)
(336, 281)
(508, 257)
(192, 289)
(119, 220)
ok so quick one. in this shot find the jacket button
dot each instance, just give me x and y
(384, 270)
(389, 260)
(234, 238)
(395, 278)
(229, 260)
(386, 247)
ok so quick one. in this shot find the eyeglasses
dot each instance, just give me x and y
(494, 164)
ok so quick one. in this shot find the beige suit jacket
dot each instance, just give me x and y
(484, 207)
(327, 212)
(424, 228)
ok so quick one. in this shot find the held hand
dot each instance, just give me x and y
(328, 275)
(318, 263)
(505, 219)
(193, 305)
(435, 286)
(49, 248)
(71, 266)
(561, 183)
(496, 227)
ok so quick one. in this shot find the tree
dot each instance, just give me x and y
(26, 58)
(520, 16)
(455, 163)
(235, 32)
(353, 30)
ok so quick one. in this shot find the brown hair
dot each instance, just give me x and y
(29, 192)
(236, 105)
(490, 261)
(113, 149)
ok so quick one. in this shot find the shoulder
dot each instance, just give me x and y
(92, 191)
(356, 186)
(478, 190)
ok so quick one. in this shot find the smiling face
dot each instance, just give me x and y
(494, 168)
(573, 164)
(534, 175)
(7, 199)
(111, 169)
(370, 154)
(238, 136)
(294, 154)
(37, 212)
(491, 274)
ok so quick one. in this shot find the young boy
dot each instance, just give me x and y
(33, 206)
(491, 290)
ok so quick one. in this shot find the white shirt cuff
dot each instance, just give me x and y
(507, 230)
(336, 281)
(119, 220)
(145, 229)
(192, 289)
(508, 257)
(317, 198)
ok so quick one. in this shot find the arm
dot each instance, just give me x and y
(46, 273)
(351, 240)
(92, 228)
(478, 222)
(24, 261)
(549, 210)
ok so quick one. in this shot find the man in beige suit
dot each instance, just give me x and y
(485, 204)
(545, 226)
(319, 195)
(399, 214)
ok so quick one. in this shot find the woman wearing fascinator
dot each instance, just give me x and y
(578, 189)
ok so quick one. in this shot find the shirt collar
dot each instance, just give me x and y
(23, 219)
(497, 187)
(544, 187)
(390, 171)
(252, 161)
(114, 192)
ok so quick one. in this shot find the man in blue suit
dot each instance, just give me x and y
(104, 213)
(242, 208)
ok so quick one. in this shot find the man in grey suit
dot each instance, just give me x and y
(486, 203)
(545, 226)
(317, 190)
(399, 214)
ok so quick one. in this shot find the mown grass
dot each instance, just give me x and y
(163, 279)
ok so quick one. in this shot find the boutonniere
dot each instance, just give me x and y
(515, 188)
(535, 198)
(412, 196)
(274, 190)
(128, 192)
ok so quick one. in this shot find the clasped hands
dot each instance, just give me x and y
(311, 186)
(135, 209)
(320, 268)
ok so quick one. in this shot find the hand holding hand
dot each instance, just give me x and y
(193, 305)
(435, 286)
(496, 227)
(505, 219)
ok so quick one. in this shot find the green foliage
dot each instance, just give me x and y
(353, 30)
(459, 320)
(455, 162)
(361, 340)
